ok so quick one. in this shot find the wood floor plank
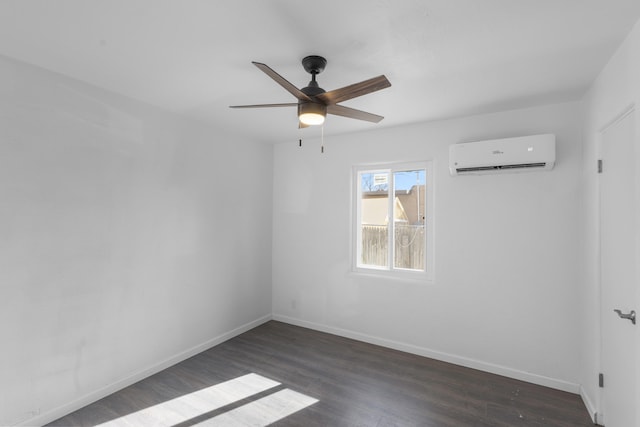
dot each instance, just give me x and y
(262, 412)
(356, 384)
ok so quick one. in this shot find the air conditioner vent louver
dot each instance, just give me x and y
(535, 152)
(494, 168)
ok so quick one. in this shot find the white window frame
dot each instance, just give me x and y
(356, 246)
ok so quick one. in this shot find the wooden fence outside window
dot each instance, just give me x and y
(408, 250)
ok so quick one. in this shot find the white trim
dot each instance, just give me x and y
(438, 355)
(398, 275)
(591, 408)
(430, 201)
(61, 411)
(629, 109)
(598, 273)
(356, 232)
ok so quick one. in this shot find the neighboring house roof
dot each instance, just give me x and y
(413, 203)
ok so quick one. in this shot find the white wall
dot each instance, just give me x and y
(129, 238)
(507, 249)
(615, 90)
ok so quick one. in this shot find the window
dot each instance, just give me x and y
(393, 219)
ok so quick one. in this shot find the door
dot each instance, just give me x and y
(618, 276)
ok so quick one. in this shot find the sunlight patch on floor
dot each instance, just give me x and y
(260, 412)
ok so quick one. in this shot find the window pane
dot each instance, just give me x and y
(409, 219)
(374, 218)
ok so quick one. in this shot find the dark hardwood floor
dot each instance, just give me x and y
(356, 384)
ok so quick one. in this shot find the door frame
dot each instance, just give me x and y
(628, 110)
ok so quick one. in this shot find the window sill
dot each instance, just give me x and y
(421, 277)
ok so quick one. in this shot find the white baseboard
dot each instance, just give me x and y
(53, 414)
(591, 408)
(438, 355)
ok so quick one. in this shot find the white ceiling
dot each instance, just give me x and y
(444, 58)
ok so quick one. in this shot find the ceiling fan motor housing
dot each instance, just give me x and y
(312, 89)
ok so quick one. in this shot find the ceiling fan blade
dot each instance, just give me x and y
(354, 90)
(282, 81)
(352, 113)
(287, 104)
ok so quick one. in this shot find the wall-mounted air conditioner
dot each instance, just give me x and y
(526, 153)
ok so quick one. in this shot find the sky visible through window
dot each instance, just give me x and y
(404, 180)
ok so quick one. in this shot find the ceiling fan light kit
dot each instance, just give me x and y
(311, 113)
(314, 102)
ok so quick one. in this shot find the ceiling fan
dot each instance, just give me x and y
(314, 102)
